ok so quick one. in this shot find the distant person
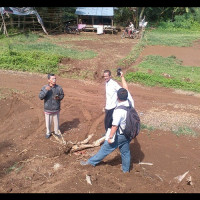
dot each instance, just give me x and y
(130, 28)
(52, 94)
(111, 96)
(119, 119)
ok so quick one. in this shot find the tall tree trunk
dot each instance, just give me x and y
(141, 13)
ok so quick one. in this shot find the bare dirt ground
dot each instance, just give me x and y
(30, 163)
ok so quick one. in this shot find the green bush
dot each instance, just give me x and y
(183, 22)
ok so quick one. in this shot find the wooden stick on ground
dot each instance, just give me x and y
(96, 143)
(71, 147)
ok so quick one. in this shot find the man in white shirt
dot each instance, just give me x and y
(119, 119)
(111, 96)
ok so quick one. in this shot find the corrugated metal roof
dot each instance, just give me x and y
(95, 11)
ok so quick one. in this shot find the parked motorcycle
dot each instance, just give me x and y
(134, 34)
(71, 29)
(137, 33)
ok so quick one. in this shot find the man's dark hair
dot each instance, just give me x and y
(49, 75)
(107, 71)
(122, 94)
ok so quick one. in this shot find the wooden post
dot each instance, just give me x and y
(1, 26)
(112, 25)
(4, 26)
(93, 22)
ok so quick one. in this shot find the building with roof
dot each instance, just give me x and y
(92, 17)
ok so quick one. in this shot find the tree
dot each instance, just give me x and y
(126, 14)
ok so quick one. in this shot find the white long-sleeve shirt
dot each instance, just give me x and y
(111, 94)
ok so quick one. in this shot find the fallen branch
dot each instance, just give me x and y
(70, 147)
(25, 150)
(86, 140)
(63, 142)
(96, 143)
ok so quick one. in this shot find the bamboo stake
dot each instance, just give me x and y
(4, 25)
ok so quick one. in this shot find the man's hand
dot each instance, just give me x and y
(124, 84)
(110, 141)
(57, 97)
(48, 88)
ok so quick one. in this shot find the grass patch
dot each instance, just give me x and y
(185, 131)
(31, 61)
(16, 167)
(180, 38)
(80, 74)
(144, 126)
(53, 49)
(166, 72)
(28, 52)
(65, 38)
(7, 92)
(133, 55)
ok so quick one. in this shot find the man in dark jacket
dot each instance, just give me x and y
(52, 94)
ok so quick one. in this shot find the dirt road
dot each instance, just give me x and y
(31, 163)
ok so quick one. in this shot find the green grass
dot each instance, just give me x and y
(185, 131)
(16, 167)
(30, 52)
(144, 126)
(53, 49)
(166, 72)
(133, 55)
(7, 92)
(179, 38)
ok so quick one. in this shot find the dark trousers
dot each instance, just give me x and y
(108, 119)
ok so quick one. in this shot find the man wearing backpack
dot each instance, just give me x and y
(119, 119)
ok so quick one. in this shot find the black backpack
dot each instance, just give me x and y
(132, 128)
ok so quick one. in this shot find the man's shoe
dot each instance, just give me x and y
(83, 163)
(58, 135)
(47, 136)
